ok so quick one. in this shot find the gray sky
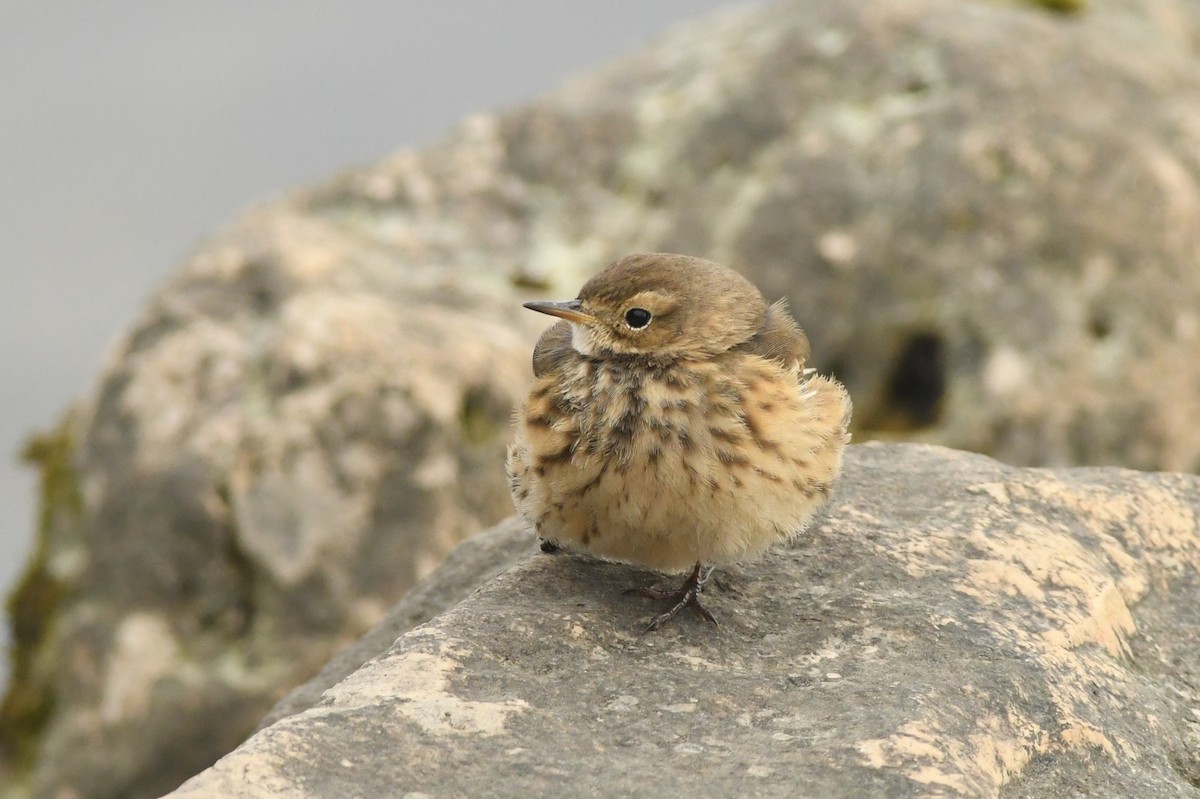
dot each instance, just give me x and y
(130, 129)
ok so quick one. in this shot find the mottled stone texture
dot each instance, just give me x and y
(952, 627)
(984, 213)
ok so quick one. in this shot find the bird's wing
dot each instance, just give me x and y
(780, 338)
(553, 349)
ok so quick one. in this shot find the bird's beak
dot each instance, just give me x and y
(571, 310)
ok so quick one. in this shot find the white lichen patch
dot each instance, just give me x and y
(418, 685)
(145, 650)
(697, 663)
(182, 392)
(1006, 373)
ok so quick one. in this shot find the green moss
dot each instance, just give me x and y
(1060, 6)
(52, 455)
(478, 417)
(1063, 7)
(34, 605)
(528, 280)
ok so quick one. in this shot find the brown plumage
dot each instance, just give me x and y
(673, 423)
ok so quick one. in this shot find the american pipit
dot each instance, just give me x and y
(673, 424)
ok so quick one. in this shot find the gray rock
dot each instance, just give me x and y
(983, 213)
(284, 444)
(470, 565)
(952, 627)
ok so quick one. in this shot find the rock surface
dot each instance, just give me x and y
(952, 627)
(470, 565)
(983, 213)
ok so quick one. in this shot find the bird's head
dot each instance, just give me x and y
(661, 305)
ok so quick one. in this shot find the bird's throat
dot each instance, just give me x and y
(581, 341)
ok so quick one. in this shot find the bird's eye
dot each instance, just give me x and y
(637, 318)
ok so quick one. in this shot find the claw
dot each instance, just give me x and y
(687, 596)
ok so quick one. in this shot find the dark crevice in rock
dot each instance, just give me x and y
(915, 387)
(242, 609)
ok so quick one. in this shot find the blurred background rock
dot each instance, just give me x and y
(133, 130)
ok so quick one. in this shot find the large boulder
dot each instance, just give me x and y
(292, 435)
(952, 627)
(983, 213)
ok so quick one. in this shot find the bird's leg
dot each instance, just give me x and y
(687, 596)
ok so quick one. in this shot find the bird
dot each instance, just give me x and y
(673, 424)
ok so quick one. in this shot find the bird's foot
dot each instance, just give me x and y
(687, 596)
